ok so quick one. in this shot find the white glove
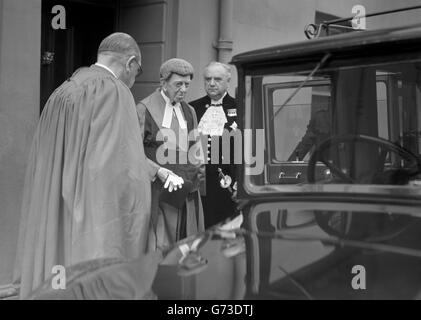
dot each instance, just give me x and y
(173, 182)
(170, 179)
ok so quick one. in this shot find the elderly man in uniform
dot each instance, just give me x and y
(169, 124)
(217, 106)
(87, 191)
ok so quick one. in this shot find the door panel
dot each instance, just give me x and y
(153, 25)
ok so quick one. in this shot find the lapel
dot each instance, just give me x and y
(207, 102)
(155, 104)
(228, 102)
(156, 107)
(202, 107)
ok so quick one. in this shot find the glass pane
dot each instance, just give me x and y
(370, 116)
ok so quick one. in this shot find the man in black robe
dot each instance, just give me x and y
(87, 188)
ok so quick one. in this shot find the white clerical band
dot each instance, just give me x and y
(168, 115)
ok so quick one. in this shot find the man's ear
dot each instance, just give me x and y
(163, 85)
(129, 61)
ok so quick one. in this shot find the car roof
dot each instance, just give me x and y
(381, 39)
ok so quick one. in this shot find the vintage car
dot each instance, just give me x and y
(334, 212)
(330, 207)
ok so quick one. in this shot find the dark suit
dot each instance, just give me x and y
(217, 202)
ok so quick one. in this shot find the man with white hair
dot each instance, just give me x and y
(217, 109)
(87, 187)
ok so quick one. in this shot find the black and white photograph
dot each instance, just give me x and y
(210, 154)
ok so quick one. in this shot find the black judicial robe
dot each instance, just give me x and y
(87, 188)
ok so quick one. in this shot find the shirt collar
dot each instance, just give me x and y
(219, 102)
(167, 100)
(106, 68)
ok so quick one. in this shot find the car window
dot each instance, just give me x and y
(291, 121)
(370, 114)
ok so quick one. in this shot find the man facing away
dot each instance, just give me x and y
(217, 106)
(87, 186)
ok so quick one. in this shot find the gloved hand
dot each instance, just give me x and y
(170, 179)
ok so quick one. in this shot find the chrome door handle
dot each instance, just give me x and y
(282, 175)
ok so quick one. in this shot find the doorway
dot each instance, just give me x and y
(63, 51)
(152, 23)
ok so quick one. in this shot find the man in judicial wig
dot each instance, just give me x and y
(168, 123)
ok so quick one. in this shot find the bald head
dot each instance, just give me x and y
(121, 54)
(120, 44)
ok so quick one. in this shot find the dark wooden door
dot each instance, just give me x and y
(87, 23)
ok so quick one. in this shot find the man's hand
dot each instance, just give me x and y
(170, 179)
(173, 182)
